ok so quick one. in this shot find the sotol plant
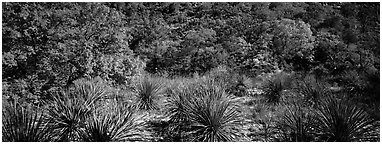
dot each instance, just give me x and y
(24, 125)
(149, 93)
(117, 123)
(69, 110)
(274, 87)
(212, 114)
(297, 124)
(342, 121)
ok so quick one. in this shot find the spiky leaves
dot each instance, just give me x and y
(24, 125)
(342, 121)
(298, 124)
(210, 113)
(118, 123)
(90, 90)
(214, 117)
(69, 110)
(149, 92)
(312, 90)
(274, 87)
(68, 116)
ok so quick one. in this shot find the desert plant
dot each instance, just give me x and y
(149, 93)
(312, 90)
(119, 123)
(275, 85)
(91, 90)
(213, 116)
(67, 116)
(297, 124)
(202, 111)
(24, 125)
(343, 121)
(69, 109)
(176, 111)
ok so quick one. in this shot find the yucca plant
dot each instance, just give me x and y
(274, 87)
(91, 90)
(69, 109)
(342, 121)
(312, 90)
(24, 125)
(149, 93)
(212, 115)
(119, 123)
(67, 117)
(297, 124)
(176, 111)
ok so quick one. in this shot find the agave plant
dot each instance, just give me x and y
(342, 121)
(149, 92)
(119, 123)
(298, 124)
(24, 125)
(213, 116)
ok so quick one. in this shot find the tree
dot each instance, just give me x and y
(53, 44)
(290, 42)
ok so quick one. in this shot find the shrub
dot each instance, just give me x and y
(205, 113)
(176, 110)
(24, 125)
(298, 124)
(274, 87)
(312, 90)
(342, 121)
(68, 117)
(149, 93)
(69, 110)
(119, 123)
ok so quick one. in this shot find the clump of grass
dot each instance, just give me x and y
(342, 121)
(149, 92)
(24, 125)
(233, 82)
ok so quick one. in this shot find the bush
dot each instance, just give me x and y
(342, 121)
(275, 85)
(68, 117)
(312, 90)
(233, 82)
(149, 93)
(69, 110)
(207, 110)
(298, 124)
(118, 123)
(24, 125)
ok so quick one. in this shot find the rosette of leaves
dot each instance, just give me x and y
(118, 123)
(24, 125)
(342, 121)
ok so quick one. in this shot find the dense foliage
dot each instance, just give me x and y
(183, 71)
